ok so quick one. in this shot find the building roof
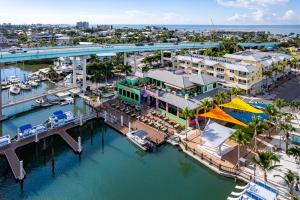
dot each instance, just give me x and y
(178, 101)
(181, 80)
(257, 56)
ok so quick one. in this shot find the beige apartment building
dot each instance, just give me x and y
(242, 70)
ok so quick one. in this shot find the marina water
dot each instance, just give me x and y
(110, 167)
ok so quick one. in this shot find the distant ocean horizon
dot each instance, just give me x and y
(274, 29)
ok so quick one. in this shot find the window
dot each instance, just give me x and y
(231, 79)
(132, 95)
(128, 94)
(231, 71)
(120, 91)
(136, 97)
(124, 93)
(220, 69)
(220, 76)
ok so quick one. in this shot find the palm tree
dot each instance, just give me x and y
(234, 92)
(294, 152)
(255, 124)
(290, 179)
(287, 129)
(293, 63)
(266, 161)
(241, 138)
(125, 69)
(279, 103)
(206, 105)
(267, 74)
(186, 114)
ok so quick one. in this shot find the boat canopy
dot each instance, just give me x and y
(25, 127)
(239, 104)
(59, 112)
(215, 134)
(61, 116)
(219, 114)
(246, 117)
(141, 133)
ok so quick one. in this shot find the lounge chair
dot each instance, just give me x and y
(241, 187)
(233, 198)
(237, 194)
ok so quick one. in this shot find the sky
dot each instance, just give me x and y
(206, 12)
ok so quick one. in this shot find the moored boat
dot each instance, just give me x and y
(139, 138)
(5, 140)
(14, 89)
(25, 86)
(27, 130)
(60, 118)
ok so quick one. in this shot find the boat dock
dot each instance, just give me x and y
(9, 151)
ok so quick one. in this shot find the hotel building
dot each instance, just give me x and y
(242, 70)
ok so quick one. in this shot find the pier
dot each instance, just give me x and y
(9, 151)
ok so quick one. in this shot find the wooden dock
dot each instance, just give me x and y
(9, 151)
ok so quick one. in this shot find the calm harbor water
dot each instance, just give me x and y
(110, 167)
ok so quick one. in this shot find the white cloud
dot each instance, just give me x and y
(237, 17)
(250, 3)
(289, 15)
(259, 11)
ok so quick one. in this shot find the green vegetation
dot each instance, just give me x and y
(241, 138)
(290, 179)
(266, 161)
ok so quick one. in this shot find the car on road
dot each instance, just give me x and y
(17, 50)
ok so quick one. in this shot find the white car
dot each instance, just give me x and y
(17, 50)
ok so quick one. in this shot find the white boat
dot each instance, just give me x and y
(33, 83)
(60, 118)
(27, 131)
(14, 89)
(13, 80)
(139, 138)
(24, 86)
(5, 140)
(67, 100)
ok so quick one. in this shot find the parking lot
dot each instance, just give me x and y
(289, 91)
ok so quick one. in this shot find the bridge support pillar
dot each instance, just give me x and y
(125, 58)
(83, 61)
(129, 126)
(162, 58)
(80, 120)
(173, 54)
(1, 114)
(74, 71)
(135, 65)
(36, 139)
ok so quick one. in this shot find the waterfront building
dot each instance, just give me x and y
(242, 70)
(168, 91)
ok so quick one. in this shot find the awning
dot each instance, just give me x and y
(25, 127)
(239, 104)
(219, 114)
(215, 134)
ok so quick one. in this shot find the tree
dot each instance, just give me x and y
(145, 69)
(266, 161)
(287, 128)
(206, 105)
(125, 69)
(241, 138)
(186, 114)
(294, 152)
(255, 124)
(234, 92)
(290, 179)
(293, 63)
(279, 103)
(267, 74)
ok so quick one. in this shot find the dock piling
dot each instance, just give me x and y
(36, 139)
(21, 171)
(79, 145)
(81, 120)
(122, 120)
(105, 116)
